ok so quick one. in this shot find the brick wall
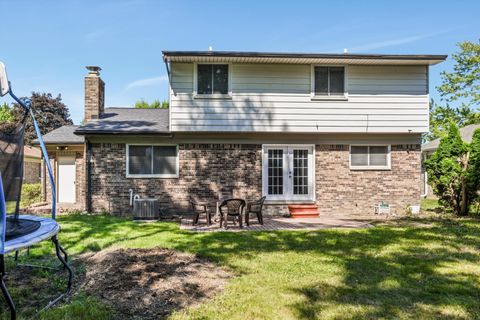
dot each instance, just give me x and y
(205, 169)
(31, 173)
(340, 190)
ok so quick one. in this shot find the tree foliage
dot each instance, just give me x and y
(156, 104)
(442, 116)
(6, 114)
(463, 84)
(453, 170)
(460, 87)
(50, 113)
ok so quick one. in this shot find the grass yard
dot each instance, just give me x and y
(423, 268)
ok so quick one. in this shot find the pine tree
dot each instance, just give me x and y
(448, 169)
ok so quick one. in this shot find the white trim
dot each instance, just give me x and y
(166, 176)
(369, 167)
(287, 175)
(215, 95)
(341, 97)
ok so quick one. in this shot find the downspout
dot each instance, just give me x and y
(425, 178)
(88, 194)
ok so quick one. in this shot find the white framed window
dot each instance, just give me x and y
(329, 82)
(152, 161)
(288, 172)
(370, 157)
(212, 80)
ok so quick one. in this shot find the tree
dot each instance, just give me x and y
(156, 104)
(6, 114)
(51, 113)
(474, 176)
(460, 87)
(463, 84)
(452, 171)
(442, 116)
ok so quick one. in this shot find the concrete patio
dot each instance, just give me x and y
(282, 223)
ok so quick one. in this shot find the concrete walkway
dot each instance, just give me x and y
(280, 223)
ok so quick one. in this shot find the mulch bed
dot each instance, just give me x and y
(150, 283)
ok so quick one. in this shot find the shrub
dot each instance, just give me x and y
(31, 193)
(453, 171)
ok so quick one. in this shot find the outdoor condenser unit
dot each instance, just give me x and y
(146, 209)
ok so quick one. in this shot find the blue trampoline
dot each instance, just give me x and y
(22, 231)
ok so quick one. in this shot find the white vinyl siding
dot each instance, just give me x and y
(277, 98)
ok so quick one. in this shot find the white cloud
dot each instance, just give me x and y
(147, 82)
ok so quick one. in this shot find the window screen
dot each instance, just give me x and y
(152, 160)
(165, 160)
(329, 80)
(359, 155)
(212, 78)
(369, 156)
(378, 156)
(139, 160)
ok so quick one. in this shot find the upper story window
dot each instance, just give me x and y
(329, 81)
(152, 161)
(212, 78)
(370, 157)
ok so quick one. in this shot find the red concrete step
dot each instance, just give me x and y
(303, 210)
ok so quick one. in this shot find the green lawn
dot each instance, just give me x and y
(424, 269)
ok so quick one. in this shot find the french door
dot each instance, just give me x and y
(288, 172)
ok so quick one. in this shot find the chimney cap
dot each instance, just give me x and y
(94, 69)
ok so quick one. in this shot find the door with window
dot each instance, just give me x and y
(288, 172)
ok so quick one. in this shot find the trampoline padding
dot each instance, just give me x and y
(20, 227)
(48, 228)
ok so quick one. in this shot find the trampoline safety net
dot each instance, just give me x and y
(11, 169)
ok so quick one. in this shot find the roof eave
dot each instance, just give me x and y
(299, 58)
(105, 132)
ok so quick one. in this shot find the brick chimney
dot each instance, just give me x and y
(94, 94)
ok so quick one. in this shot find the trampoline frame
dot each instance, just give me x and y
(59, 250)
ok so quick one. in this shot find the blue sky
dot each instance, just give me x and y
(46, 44)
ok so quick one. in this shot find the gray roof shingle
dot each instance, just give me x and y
(62, 135)
(128, 121)
(466, 133)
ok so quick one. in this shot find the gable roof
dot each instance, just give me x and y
(128, 121)
(301, 58)
(62, 135)
(466, 133)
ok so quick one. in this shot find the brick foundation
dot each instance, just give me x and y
(205, 169)
(340, 190)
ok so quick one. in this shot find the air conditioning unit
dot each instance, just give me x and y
(146, 209)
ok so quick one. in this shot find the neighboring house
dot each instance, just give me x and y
(430, 147)
(342, 131)
(32, 163)
(66, 151)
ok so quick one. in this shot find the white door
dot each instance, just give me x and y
(288, 172)
(66, 179)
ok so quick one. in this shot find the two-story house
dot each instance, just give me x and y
(342, 131)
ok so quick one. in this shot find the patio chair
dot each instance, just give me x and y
(256, 208)
(199, 208)
(231, 208)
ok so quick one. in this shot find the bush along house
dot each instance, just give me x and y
(338, 132)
